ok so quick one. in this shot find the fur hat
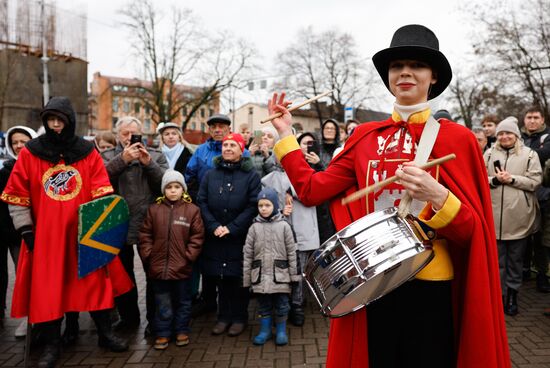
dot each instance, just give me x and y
(415, 42)
(273, 132)
(271, 195)
(510, 124)
(236, 137)
(17, 129)
(172, 176)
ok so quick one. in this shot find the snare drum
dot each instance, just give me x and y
(366, 260)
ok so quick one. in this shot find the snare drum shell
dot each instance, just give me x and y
(366, 260)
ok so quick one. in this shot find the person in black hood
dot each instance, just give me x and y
(330, 140)
(60, 142)
(53, 175)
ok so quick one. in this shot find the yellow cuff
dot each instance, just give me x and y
(285, 146)
(444, 216)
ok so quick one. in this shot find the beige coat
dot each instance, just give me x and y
(515, 208)
(270, 256)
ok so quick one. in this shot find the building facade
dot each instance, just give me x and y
(304, 120)
(114, 97)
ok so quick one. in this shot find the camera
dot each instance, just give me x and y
(135, 138)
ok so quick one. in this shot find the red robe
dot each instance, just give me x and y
(480, 334)
(47, 284)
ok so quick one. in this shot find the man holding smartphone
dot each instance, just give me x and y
(135, 172)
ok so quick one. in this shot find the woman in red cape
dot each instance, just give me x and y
(450, 314)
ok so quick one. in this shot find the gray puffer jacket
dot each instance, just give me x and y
(270, 256)
(515, 207)
(139, 185)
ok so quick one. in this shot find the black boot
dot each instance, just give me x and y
(71, 328)
(543, 286)
(106, 337)
(51, 352)
(511, 302)
(296, 315)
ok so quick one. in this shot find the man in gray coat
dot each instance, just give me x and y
(135, 171)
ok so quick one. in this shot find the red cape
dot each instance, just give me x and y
(480, 333)
(47, 283)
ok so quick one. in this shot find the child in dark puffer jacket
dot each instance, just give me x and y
(171, 239)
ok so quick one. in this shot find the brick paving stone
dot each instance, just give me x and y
(528, 332)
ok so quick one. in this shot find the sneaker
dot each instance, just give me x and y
(182, 340)
(21, 330)
(161, 343)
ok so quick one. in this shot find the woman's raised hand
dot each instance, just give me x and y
(283, 124)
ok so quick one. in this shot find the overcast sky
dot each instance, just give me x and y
(271, 25)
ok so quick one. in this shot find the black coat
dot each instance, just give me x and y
(181, 163)
(227, 197)
(8, 234)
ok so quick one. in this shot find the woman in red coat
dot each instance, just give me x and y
(450, 314)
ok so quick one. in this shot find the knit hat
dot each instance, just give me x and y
(236, 137)
(271, 195)
(173, 176)
(510, 124)
(273, 132)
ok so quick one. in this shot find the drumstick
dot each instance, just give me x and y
(363, 192)
(290, 109)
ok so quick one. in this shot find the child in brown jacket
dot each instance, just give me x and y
(171, 239)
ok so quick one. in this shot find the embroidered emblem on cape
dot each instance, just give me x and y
(62, 182)
(102, 229)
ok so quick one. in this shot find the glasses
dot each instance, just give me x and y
(329, 128)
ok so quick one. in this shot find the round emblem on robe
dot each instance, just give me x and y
(62, 182)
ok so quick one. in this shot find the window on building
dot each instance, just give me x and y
(147, 125)
(147, 109)
(263, 84)
(120, 88)
(203, 127)
(210, 112)
(203, 113)
(137, 107)
(126, 106)
(193, 126)
(250, 86)
(183, 111)
(115, 104)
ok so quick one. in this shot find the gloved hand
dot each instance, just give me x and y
(28, 236)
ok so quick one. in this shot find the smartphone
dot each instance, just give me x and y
(312, 147)
(497, 165)
(135, 138)
(258, 137)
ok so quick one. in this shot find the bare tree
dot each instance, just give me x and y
(187, 55)
(513, 45)
(325, 61)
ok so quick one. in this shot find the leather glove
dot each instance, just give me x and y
(28, 236)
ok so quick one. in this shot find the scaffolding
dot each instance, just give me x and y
(24, 25)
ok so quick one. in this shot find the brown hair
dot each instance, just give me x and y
(534, 108)
(105, 136)
(490, 118)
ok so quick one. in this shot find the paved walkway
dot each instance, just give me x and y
(528, 333)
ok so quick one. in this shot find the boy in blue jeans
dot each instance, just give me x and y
(270, 266)
(171, 239)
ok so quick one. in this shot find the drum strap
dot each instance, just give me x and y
(427, 141)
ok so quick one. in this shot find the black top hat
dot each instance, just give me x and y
(219, 118)
(415, 42)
